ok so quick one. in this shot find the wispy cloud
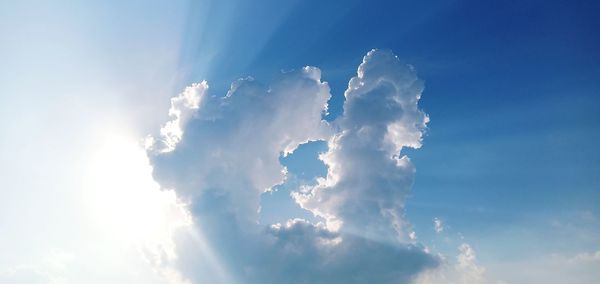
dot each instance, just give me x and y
(438, 226)
(465, 269)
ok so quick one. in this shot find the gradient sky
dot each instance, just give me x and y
(509, 163)
(512, 88)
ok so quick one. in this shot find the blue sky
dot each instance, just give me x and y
(509, 160)
(511, 89)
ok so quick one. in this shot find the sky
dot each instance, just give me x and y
(299, 142)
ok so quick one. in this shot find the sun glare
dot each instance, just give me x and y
(124, 201)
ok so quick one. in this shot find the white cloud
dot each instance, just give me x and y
(181, 111)
(368, 179)
(438, 226)
(467, 264)
(233, 143)
(585, 257)
(464, 270)
(227, 155)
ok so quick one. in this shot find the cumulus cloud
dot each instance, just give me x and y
(221, 153)
(368, 178)
(232, 144)
(182, 108)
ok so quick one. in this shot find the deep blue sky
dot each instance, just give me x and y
(510, 162)
(512, 89)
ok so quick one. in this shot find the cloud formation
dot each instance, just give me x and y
(368, 179)
(465, 270)
(221, 153)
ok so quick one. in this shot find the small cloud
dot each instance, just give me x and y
(465, 269)
(438, 226)
(585, 257)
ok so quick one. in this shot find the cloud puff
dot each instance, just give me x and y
(232, 144)
(182, 108)
(221, 153)
(368, 179)
(438, 226)
(465, 270)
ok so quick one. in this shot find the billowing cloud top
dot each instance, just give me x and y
(221, 153)
(368, 180)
